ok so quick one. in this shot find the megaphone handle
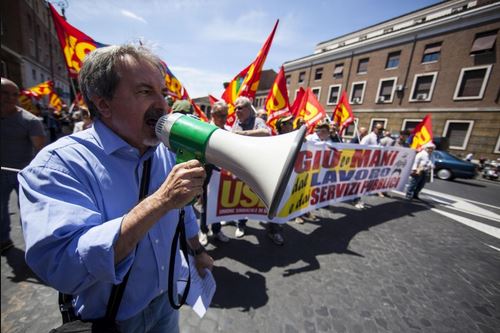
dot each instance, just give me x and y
(182, 156)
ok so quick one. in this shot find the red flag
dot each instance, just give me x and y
(310, 110)
(294, 108)
(342, 115)
(55, 101)
(277, 104)
(247, 81)
(198, 111)
(421, 134)
(41, 89)
(212, 100)
(177, 91)
(74, 43)
(25, 100)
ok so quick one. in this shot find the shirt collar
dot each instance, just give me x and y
(112, 142)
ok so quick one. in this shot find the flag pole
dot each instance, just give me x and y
(356, 131)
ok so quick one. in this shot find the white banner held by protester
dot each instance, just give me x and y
(323, 174)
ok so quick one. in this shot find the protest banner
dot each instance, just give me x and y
(323, 174)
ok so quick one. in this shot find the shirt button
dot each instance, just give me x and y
(161, 291)
(162, 268)
(156, 241)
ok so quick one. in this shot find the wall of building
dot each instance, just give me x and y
(449, 114)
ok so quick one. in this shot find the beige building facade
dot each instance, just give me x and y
(441, 60)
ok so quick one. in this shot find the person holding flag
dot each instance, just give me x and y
(247, 81)
(421, 166)
(421, 134)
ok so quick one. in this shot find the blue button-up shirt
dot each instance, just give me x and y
(73, 198)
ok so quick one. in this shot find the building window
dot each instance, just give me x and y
(333, 94)
(357, 92)
(302, 76)
(423, 87)
(363, 66)
(33, 74)
(410, 124)
(317, 92)
(393, 60)
(375, 121)
(318, 74)
(338, 71)
(288, 79)
(386, 90)
(472, 82)
(458, 133)
(432, 52)
(484, 42)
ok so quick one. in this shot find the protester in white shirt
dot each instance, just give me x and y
(373, 139)
(421, 166)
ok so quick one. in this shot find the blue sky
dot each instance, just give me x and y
(208, 42)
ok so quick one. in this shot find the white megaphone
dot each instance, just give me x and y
(263, 163)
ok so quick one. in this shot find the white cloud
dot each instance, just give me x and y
(199, 82)
(133, 16)
(253, 26)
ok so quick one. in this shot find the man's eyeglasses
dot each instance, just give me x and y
(239, 107)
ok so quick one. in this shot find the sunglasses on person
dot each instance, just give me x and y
(239, 107)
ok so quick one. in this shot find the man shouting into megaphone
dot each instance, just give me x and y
(102, 206)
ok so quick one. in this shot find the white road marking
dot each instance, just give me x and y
(487, 229)
(463, 206)
(458, 198)
(495, 248)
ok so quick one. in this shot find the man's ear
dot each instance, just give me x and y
(102, 105)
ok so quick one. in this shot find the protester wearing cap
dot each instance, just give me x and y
(421, 166)
(182, 106)
(284, 125)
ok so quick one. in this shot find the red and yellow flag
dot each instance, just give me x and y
(55, 101)
(198, 111)
(277, 104)
(421, 134)
(177, 91)
(25, 100)
(174, 86)
(342, 115)
(310, 110)
(294, 108)
(42, 89)
(74, 43)
(247, 81)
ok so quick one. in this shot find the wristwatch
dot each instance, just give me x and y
(196, 252)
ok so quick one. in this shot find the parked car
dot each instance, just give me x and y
(448, 166)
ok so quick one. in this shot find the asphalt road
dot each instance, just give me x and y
(395, 266)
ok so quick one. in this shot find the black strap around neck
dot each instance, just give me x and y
(65, 300)
(117, 291)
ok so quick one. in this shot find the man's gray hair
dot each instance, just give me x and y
(100, 75)
(243, 100)
(219, 106)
